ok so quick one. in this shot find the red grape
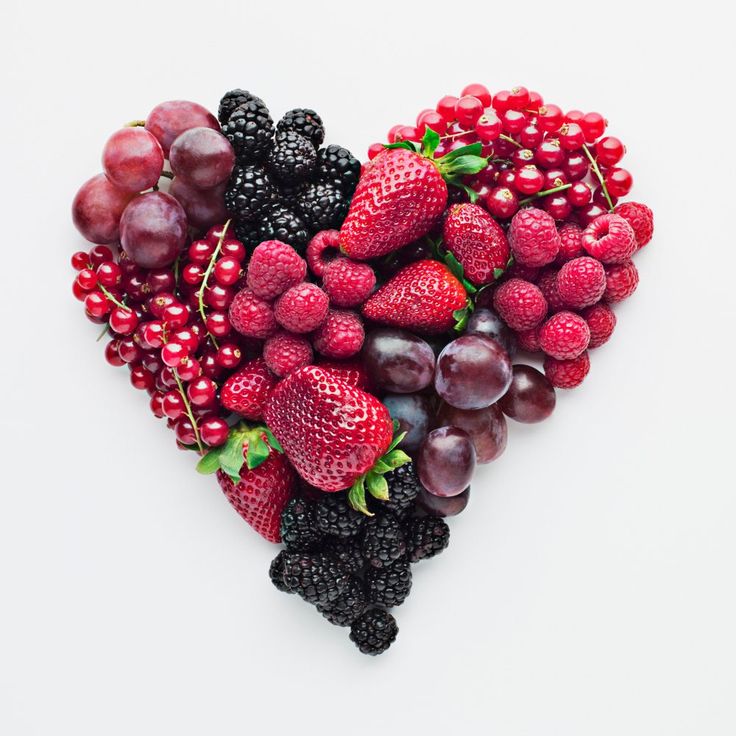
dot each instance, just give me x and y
(486, 427)
(203, 207)
(530, 398)
(446, 461)
(133, 159)
(398, 361)
(169, 120)
(412, 412)
(202, 158)
(443, 506)
(97, 209)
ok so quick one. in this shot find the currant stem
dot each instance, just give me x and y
(544, 193)
(112, 299)
(599, 176)
(509, 139)
(135, 124)
(190, 413)
(208, 271)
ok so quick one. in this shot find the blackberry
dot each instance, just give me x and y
(374, 631)
(276, 573)
(281, 223)
(390, 585)
(250, 131)
(426, 537)
(348, 606)
(289, 194)
(248, 232)
(299, 532)
(383, 540)
(231, 100)
(292, 158)
(306, 122)
(337, 165)
(248, 192)
(316, 577)
(334, 516)
(323, 206)
(349, 553)
(403, 488)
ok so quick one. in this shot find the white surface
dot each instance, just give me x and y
(589, 586)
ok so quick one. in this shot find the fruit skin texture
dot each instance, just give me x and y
(571, 243)
(284, 353)
(383, 540)
(133, 159)
(641, 219)
(621, 282)
(610, 239)
(348, 283)
(326, 240)
(520, 304)
(302, 308)
(547, 283)
(477, 241)
(601, 322)
(331, 432)
(426, 538)
(340, 335)
(533, 237)
(168, 120)
(421, 297)
(246, 391)
(567, 373)
(581, 282)
(97, 209)
(564, 336)
(351, 372)
(398, 199)
(252, 316)
(530, 398)
(374, 631)
(274, 267)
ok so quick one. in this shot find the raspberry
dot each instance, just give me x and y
(521, 304)
(610, 239)
(517, 271)
(567, 373)
(571, 242)
(317, 247)
(547, 283)
(285, 353)
(351, 372)
(252, 316)
(641, 219)
(302, 308)
(533, 237)
(581, 282)
(348, 283)
(601, 321)
(274, 267)
(246, 391)
(621, 282)
(564, 336)
(340, 336)
(528, 340)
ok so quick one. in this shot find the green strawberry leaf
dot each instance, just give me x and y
(457, 182)
(396, 458)
(231, 455)
(409, 145)
(510, 262)
(463, 165)
(461, 319)
(398, 436)
(456, 268)
(377, 486)
(498, 272)
(356, 497)
(275, 444)
(430, 142)
(381, 467)
(436, 245)
(258, 451)
(210, 463)
(474, 149)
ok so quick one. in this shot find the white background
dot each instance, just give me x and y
(588, 588)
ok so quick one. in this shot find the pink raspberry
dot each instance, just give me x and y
(533, 237)
(601, 321)
(610, 239)
(567, 373)
(528, 340)
(641, 219)
(302, 308)
(520, 304)
(348, 283)
(246, 391)
(621, 282)
(252, 316)
(340, 336)
(564, 336)
(581, 282)
(352, 372)
(317, 251)
(285, 353)
(571, 242)
(547, 283)
(517, 271)
(273, 268)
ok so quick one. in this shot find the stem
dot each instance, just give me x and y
(190, 413)
(599, 176)
(167, 175)
(210, 266)
(112, 299)
(509, 139)
(544, 193)
(135, 124)
(103, 333)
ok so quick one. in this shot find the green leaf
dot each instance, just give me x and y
(396, 458)
(430, 142)
(210, 463)
(498, 272)
(258, 451)
(377, 486)
(356, 497)
(231, 456)
(398, 436)
(463, 166)
(380, 467)
(275, 444)
(461, 319)
(474, 149)
(456, 268)
(409, 145)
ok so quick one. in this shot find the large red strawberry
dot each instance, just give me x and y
(424, 297)
(477, 241)
(401, 194)
(246, 391)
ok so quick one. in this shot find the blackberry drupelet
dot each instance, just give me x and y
(250, 131)
(403, 488)
(348, 606)
(337, 165)
(348, 552)
(316, 577)
(299, 532)
(292, 158)
(289, 194)
(306, 122)
(276, 573)
(383, 540)
(374, 631)
(334, 516)
(232, 100)
(248, 232)
(280, 223)
(426, 537)
(323, 206)
(248, 192)
(389, 586)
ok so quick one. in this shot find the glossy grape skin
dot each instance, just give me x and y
(413, 413)
(443, 506)
(472, 372)
(398, 361)
(133, 159)
(487, 322)
(446, 461)
(153, 229)
(202, 158)
(531, 397)
(204, 207)
(486, 427)
(169, 120)
(97, 209)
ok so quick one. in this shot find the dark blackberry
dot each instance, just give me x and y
(292, 158)
(374, 631)
(403, 488)
(383, 540)
(349, 553)
(248, 232)
(337, 165)
(250, 131)
(232, 100)
(281, 223)
(306, 122)
(248, 192)
(348, 606)
(334, 516)
(276, 573)
(323, 206)
(299, 532)
(426, 537)
(390, 585)
(316, 577)
(289, 194)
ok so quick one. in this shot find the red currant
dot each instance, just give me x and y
(158, 303)
(228, 356)
(579, 194)
(513, 121)
(530, 136)
(593, 125)
(200, 251)
(78, 291)
(192, 274)
(609, 151)
(554, 178)
(87, 279)
(160, 279)
(185, 431)
(218, 297)
(571, 137)
(467, 110)
(502, 202)
(152, 362)
(576, 166)
(96, 304)
(135, 286)
(209, 365)
(214, 431)
(488, 127)
(99, 254)
(166, 380)
(522, 157)
(112, 356)
(506, 178)
(218, 324)
(176, 315)
(141, 378)
(587, 214)
(446, 107)
(153, 334)
(123, 321)
(80, 260)
(528, 180)
(600, 198)
(557, 205)
(619, 182)
(393, 133)
(550, 118)
(549, 154)
(501, 101)
(187, 338)
(408, 133)
(173, 353)
(227, 271)
(535, 101)
(157, 404)
(189, 369)
(433, 120)
(574, 116)
(109, 274)
(173, 405)
(129, 350)
(202, 391)
(518, 98)
(374, 149)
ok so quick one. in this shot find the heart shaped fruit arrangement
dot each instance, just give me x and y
(335, 341)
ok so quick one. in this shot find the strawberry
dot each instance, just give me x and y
(246, 391)
(423, 296)
(478, 243)
(335, 435)
(401, 194)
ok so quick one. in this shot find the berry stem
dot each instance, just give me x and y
(190, 413)
(135, 124)
(599, 176)
(112, 299)
(208, 271)
(544, 193)
(102, 334)
(509, 139)
(167, 174)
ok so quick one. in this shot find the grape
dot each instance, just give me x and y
(153, 229)
(472, 372)
(133, 159)
(443, 505)
(398, 361)
(530, 398)
(486, 427)
(97, 209)
(204, 207)
(446, 461)
(412, 411)
(488, 323)
(169, 120)
(202, 158)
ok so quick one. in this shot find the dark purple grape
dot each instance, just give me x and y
(204, 207)
(446, 461)
(472, 372)
(168, 120)
(398, 361)
(133, 159)
(487, 322)
(486, 427)
(412, 412)
(97, 209)
(443, 505)
(202, 158)
(531, 397)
